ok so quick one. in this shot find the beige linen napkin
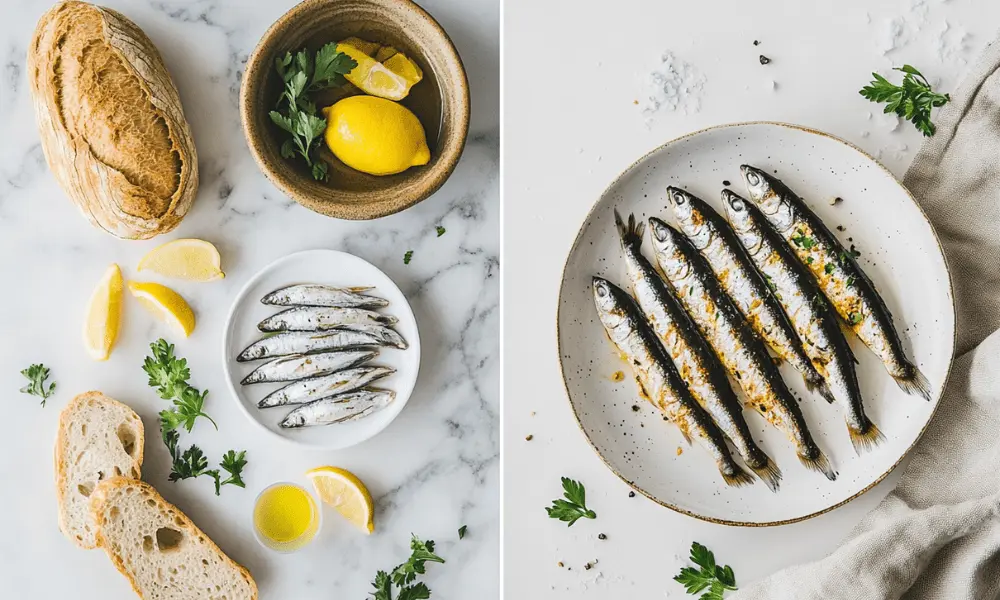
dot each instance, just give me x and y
(937, 535)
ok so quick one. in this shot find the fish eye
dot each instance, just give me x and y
(753, 178)
(678, 197)
(736, 204)
(602, 288)
(659, 231)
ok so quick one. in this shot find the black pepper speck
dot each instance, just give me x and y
(764, 60)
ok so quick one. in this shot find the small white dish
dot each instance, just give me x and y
(334, 268)
(900, 252)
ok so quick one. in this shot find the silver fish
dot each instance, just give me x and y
(321, 318)
(339, 409)
(316, 388)
(658, 379)
(388, 335)
(303, 366)
(311, 294)
(811, 315)
(840, 278)
(296, 342)
(734, 341)
(695, 360)
(714, 238)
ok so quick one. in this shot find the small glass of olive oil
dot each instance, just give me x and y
(285, 517)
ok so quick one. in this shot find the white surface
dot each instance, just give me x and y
(899, 251)
(434, 469)
(338, 269)
(572, 73)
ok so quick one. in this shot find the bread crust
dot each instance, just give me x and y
(111, 123)
(60, 458)
(108, 486)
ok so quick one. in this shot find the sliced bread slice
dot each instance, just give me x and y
(161, 552)
(99, 438)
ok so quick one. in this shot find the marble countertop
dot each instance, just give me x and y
(435, 468)
(562, 148)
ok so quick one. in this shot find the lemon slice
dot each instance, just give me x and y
(401, 65)
(188, 259)
(345, 493)
(166, 304)
(372, 77)
(104, 310)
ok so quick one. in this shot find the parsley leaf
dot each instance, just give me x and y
(574, 507)
(440, 230)
(417, 591)
(461, 531)
(404, 575)
(407, 257)
(37, 374)
(295, 112)
(383, 586)
(828, 268)
(913, 100)
(169, 375)
(233, 463)
(717, 579)
(855, 317)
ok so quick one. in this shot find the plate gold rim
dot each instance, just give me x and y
(936, 401)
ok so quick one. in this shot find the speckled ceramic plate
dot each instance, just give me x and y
(899, 251)
(328, 267)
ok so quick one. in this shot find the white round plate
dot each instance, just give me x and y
(328, 267)
(899, 251)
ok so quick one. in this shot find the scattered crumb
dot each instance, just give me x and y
(533, 413)
(635, 408)
(764, 60)
(617, 376)
(680, 450)
(836, 201)
(840, 228)
(636, 102)
(560, 564)
(529, 437)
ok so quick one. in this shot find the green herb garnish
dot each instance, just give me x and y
(850, 281)
(37, 374)
(854, 317)
(913, 100)
(574, 507)
(828, 268)
(169, 375)
(232, 463)
(296, 112)
(408, 257)
(404, 576)
(715, 578)
(461, 531)
(803, 241)
(440, 230)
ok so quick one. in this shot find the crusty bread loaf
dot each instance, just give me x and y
(161, 552)
(110, 120)
(99, 438)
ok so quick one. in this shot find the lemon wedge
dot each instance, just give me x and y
(391, 80)
(346, 494)
(166, 304)
(187, 259)
(104, 311)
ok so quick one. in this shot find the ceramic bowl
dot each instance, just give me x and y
(440, 101)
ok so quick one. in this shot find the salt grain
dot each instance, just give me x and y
(673, 85)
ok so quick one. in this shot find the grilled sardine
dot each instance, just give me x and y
(303, 366)
(311, 294)
(339, 409)
(811, 315)
(695, 360)
(840, 278)
(734, 341)
(316, 388)
(714, 238)
(658, 378)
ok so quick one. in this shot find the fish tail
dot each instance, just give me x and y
(734, 476)
(816, 383)
(819, 463)
(769, 473)
(631, 234)
(866, 440)
(914, 382)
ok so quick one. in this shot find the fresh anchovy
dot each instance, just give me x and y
(841, 279)
(316, 388)
(728, 332)
(338, 409)
(296, 342)
(713, 237)
(388, 336)
(694, 359)
(303, 366)
(810, 313)
(311, 294)
(320, 318)
(658, 379)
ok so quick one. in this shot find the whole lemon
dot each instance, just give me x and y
(375, 135)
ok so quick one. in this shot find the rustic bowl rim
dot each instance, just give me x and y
(256, 69)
